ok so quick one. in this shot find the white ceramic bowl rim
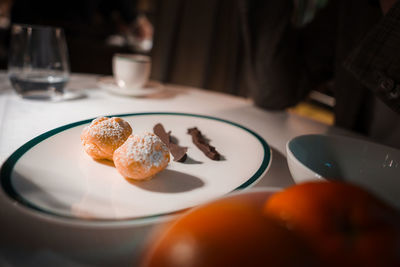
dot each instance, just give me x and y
(326, 136)
(375, 167)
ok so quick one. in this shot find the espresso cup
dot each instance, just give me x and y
(131, 70)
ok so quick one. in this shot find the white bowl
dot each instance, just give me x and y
(372, 166)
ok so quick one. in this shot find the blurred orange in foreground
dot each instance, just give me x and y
(311, 224)
(346, 225)
(228, 232)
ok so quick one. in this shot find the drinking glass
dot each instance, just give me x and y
(38, 66)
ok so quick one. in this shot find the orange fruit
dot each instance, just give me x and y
(346, 224)
(228, 232)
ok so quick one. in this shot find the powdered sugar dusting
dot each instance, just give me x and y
(111, 129)
(147, 148)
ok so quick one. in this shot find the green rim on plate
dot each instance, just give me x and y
(8, 166)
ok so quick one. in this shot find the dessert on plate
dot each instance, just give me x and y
(104, 135)
(141, 156)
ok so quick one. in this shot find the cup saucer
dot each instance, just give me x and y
(108, 84)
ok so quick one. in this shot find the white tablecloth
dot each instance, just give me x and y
(22, 120)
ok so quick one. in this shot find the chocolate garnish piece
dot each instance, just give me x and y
(159, 130)
(199, 140)
(178, 152)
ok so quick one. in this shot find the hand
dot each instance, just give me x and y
(142, 28)
(386, 5)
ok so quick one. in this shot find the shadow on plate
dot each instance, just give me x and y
(26, 188)
(190, 160)
(105, 162)
(169, 181)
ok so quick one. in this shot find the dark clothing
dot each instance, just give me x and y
(251, 48)
(285, 62)
(376, 60)
(198, 43)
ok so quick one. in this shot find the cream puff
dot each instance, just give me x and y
(104, 135)
(141, 156)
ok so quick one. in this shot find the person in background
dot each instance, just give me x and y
(88, 25)
(352, 43)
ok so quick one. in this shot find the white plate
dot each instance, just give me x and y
(108, 84)
(52, 174)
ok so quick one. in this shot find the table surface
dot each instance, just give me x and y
(24, 242)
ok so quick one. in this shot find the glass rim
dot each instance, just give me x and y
(36, 26)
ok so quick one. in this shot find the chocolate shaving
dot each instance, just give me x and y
(178, 152)
(199, 140)
(159, 130)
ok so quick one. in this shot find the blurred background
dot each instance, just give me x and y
(95, 29)
(193, 43)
